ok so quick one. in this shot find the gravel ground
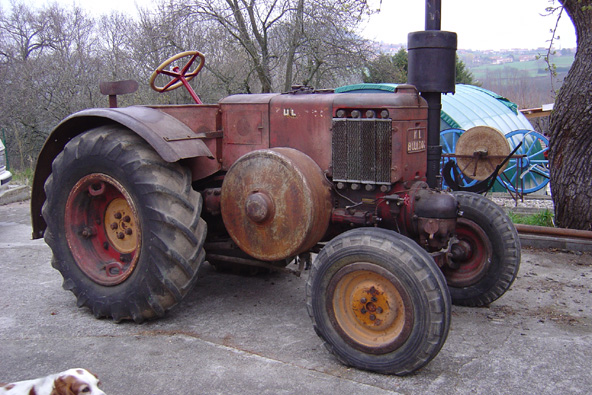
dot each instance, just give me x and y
(531, 203)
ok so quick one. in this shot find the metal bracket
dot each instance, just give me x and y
(198, 136)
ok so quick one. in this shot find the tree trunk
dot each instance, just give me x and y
(570, 145)
(294, 44)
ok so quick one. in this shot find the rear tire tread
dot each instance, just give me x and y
(170, 201)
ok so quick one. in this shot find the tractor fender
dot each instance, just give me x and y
(170, 138)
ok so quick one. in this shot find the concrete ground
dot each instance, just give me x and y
(252, 335)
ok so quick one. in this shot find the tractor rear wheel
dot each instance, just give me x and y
(124, 226)
(378, 301)
(487, 252)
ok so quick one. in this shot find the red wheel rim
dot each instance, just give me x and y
(102, 229)
(476, 259)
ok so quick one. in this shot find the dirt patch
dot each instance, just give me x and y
(554, 314)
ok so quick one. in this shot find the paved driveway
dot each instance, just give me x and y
(252, 335)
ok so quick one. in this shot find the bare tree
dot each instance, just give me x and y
(289, 39)
(49, 72)
(53, 58)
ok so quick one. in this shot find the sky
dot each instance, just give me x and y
(480, 25)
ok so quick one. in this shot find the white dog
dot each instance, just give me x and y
(70, 382)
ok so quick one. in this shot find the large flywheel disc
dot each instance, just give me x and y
(275, 203)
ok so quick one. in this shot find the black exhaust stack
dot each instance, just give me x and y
(432, 69)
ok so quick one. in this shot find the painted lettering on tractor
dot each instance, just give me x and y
(289, 112)
(416, 140)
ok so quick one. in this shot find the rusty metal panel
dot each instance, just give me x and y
(245, 122)
(246, 128)
(200, 119)
(409, 153)
(172, 139)
(303, 122)
(406, 98)
(245, 125)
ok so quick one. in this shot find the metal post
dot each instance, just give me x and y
(434, 100)
(433, 16)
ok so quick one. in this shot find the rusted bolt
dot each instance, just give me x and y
(87, 232)
(120, 235)
(114, 225)
(117, 215)
(259, 207)
(127, 218)
(128, 231)
(372, 317)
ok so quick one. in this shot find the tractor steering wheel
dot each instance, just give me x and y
(180, 75)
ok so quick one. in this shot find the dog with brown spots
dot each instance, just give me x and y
(71, 382)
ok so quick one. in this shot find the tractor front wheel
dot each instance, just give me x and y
(378, 301)
(124, 226)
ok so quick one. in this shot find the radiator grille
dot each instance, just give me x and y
(362, 150)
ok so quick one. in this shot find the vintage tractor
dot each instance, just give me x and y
(123, 196)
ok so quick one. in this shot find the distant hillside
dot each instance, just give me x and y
(519, 75)
(532, 68)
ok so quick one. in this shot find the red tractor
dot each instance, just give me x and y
(123, 196)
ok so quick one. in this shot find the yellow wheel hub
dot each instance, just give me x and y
(370, 308)
(120, 226)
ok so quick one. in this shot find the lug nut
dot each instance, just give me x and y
(379, 310)
(127, 218)
(363, 311)
(128, 231)
(120, 235)
(114, 226)
(372, 317)
(374, 299)
(117, 215)
(363, 300)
